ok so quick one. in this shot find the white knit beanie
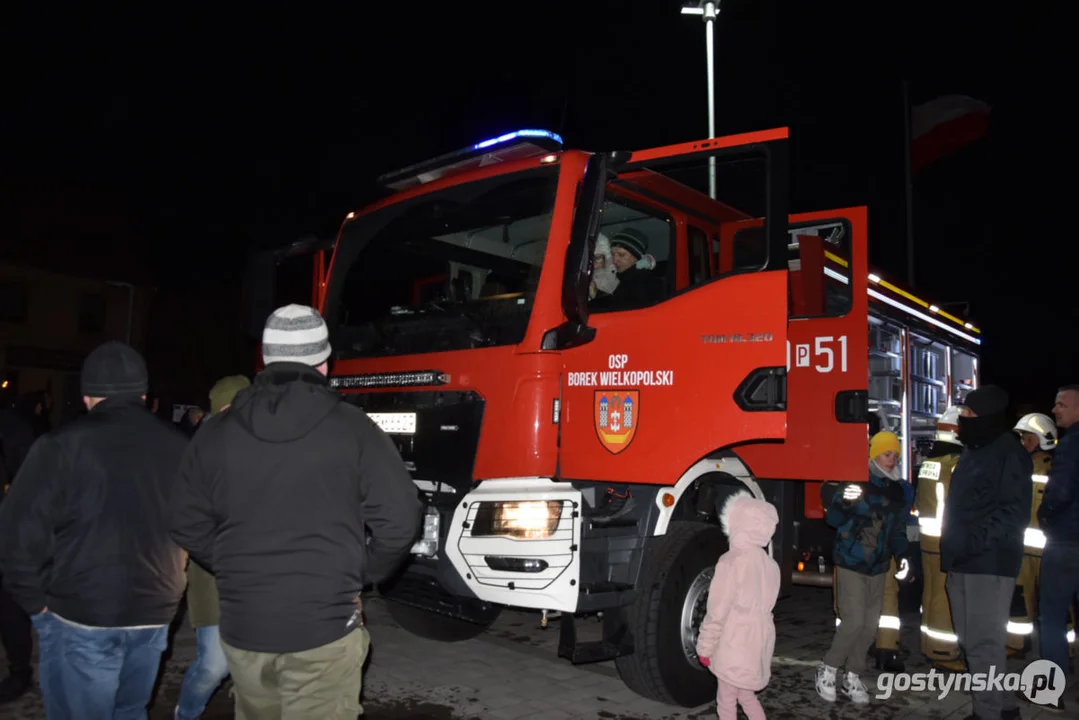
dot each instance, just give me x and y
(295, 333)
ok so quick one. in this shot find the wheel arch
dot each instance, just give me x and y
(708, 482)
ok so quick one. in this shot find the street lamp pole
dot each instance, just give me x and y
(709, 10)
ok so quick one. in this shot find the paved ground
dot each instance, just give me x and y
(513, 672)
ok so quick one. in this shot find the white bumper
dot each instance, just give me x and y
(554, 588)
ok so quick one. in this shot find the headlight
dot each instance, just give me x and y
(532, 520)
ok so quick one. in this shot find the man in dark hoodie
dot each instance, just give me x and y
(981, 544)
(85, 548)
(275, 498)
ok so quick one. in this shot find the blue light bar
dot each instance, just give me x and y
(517, 134)
(504, 148)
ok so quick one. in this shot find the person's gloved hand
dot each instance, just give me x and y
(851, 494)
(906, 570)
(705, 662)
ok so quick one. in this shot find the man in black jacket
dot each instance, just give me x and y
(981, 545)
(275, 498)
(85, 549)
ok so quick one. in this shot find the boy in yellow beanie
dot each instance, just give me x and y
(871, 530)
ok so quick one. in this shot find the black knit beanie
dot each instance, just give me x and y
(631, 239)
(114, 369)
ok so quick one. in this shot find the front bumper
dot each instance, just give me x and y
(555, 586)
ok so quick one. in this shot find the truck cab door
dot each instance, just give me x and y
(666, 375)
(827, 353)
(295, 273)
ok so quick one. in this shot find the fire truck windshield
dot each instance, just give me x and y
(450, 270)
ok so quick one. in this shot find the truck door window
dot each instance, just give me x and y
(700, 259)
(641, 238)
(817, 260)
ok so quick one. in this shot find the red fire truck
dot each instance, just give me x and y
(573, 455)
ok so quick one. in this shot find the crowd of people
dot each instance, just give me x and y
(988, 514)
(272, 513)
(277, 508)
(975, 550)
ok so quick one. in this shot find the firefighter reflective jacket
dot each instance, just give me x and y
(1034, 540)
(934, 479)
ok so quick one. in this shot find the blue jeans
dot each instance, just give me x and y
(1059, 583)
(96, 673)
(204, 675)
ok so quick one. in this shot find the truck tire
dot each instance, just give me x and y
(673, 584)
(433, 626)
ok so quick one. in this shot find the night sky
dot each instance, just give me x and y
(194, 136)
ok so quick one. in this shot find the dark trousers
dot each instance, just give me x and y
(1059, 586)
(15, 635)
(980, 605)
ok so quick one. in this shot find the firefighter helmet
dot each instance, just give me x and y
(948, 426)
(1039, 425)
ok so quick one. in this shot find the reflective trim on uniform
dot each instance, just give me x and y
(940, 634)
(1034, 538)
(929, 527)
(1040, 479)
(1071, 636)
(1017, 628)
(887, 622)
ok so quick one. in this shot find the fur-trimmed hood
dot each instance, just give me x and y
(748, 521)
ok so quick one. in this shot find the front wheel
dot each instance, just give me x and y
(433, 626)
(665, 619)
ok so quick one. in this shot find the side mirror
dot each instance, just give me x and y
(266, 287)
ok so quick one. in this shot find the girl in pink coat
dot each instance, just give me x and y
(738, 633)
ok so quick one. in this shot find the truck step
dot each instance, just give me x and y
(615, 642)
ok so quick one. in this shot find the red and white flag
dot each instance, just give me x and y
(942, 126)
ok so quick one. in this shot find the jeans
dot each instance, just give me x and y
(1059, 583)
(204, 675)
(96, 673)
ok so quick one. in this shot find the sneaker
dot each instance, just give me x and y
(826, 682)
(854, 689)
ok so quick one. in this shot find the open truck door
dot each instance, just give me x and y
(828, 355)
(671, 371)
(295, 273)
